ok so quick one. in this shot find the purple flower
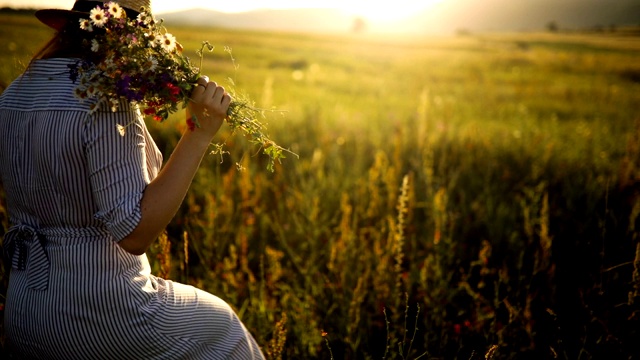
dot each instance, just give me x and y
(123, 88)
(165, 78)
(123, 84)
(73, 72)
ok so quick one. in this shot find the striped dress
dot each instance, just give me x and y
(73, 186)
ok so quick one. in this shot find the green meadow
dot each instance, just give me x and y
(453, 197)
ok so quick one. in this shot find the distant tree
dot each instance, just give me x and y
(359, 25)
(10, 10)
(552, 26)
(463, 32)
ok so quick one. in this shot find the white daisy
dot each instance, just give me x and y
(168, 42)
(114, 104)
(114, 9)
(94, 76)
(80, 92)
(158, 40)
(94, 45)
(153, 63)
(121, 129)
(144, 18)
(91, 91)
(98, 17)
(109, 63)
(85, 24)
(153, 39)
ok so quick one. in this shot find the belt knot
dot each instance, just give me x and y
(25, 249)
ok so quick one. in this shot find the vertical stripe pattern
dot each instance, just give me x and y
(71, 180)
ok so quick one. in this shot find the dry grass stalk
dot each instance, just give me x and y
(635, 294)
(338, 247)
(274, 267)
(440, 214)
(629, 172)
(543, 260)
(399, 238)
(275, 347)
(185, 250)
(375, 171)
(164, 256)
(355, 307)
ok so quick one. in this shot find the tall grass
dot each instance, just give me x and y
(455, 197)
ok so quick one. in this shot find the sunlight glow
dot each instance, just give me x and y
(384, 11)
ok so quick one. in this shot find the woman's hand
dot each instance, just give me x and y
(209, 104)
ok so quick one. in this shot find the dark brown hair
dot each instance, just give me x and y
(68, 42)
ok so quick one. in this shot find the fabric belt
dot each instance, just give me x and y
(24, 249)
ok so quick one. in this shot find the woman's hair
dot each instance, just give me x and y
(69, 42)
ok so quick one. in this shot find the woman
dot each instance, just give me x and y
(84, 204)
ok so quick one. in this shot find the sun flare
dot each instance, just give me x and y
(379, 11)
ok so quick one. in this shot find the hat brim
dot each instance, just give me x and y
(58, 18)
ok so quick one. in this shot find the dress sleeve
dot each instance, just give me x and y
(117, 167)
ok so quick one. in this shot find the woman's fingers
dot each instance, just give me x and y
(203, 80)
(221, 97)
(199, 89)
(209, 99)
(212, 91)
(215, 95)
(226, 100)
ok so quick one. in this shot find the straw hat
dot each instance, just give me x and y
(57, 18)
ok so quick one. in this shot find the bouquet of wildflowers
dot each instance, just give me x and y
(141, 63)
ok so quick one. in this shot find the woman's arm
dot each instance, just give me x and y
(163, 196)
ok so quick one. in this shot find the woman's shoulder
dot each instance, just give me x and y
(44, 85)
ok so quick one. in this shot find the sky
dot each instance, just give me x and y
(371, 9)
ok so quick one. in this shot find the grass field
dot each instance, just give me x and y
(462, 197)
